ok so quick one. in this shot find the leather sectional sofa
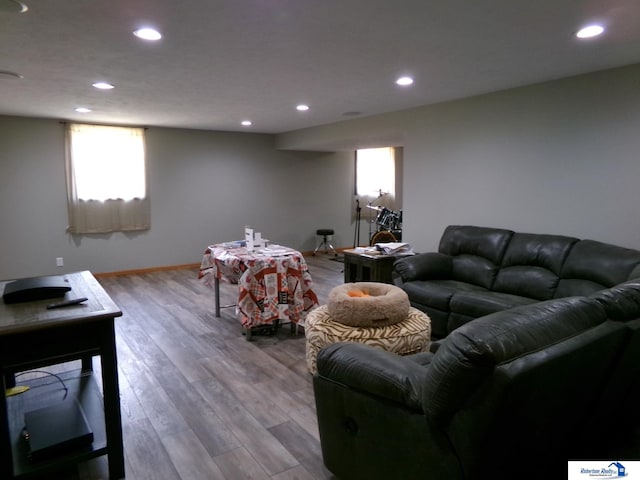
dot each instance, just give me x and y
(538, 363)
(514, 394)
(481, 270)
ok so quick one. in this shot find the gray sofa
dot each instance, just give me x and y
(479, 270)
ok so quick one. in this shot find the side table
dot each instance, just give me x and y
(362, 267)
(31, 336)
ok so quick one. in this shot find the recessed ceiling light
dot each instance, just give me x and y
(302, 107)
(147, 34)
(13, 6)
(83, 110)
(590, 31)
(404, 81)
(246, 123)
(103, 85)
(8, 74)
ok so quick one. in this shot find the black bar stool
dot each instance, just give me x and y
(324, 233)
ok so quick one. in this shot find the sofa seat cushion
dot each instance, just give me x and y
(437, 293)
(575, 287)
(479, 304)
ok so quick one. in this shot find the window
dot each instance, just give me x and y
(106, 179)
(375, 172)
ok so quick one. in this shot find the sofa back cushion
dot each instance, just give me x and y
(476, 252)
(469, 355)
(592, 266)
(531, 265)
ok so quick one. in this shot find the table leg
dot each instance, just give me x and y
(113, 421)
(9, 380)
(6, 459)
(87, 364)
(216, 289)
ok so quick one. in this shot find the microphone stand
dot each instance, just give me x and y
(356, 233)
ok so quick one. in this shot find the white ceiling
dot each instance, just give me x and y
(223, 61)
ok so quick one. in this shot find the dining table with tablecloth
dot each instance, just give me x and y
(274, 283)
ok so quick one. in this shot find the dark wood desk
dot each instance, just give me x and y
(360, 267)
(33, 337)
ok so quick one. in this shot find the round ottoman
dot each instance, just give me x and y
(368, 304)
(411, 335)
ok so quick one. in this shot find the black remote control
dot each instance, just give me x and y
(66, 303)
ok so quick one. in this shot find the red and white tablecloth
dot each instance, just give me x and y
(274, 283)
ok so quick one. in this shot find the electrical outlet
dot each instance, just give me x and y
(60, 262)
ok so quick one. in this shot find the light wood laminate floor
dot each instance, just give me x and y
(198, 400)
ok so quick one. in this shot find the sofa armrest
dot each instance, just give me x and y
(373, 371)
(621, 302)
(424, 266)
(635, 273)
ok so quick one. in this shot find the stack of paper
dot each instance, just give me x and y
(276, 250)
(395, 248)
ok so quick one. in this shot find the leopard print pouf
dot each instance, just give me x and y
(411, 335)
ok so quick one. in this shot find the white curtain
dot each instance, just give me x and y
(106, 179)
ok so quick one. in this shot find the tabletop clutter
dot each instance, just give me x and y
(253, 239)
(386, 248)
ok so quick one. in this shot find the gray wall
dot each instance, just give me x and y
(560, 157)
(204, 187)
